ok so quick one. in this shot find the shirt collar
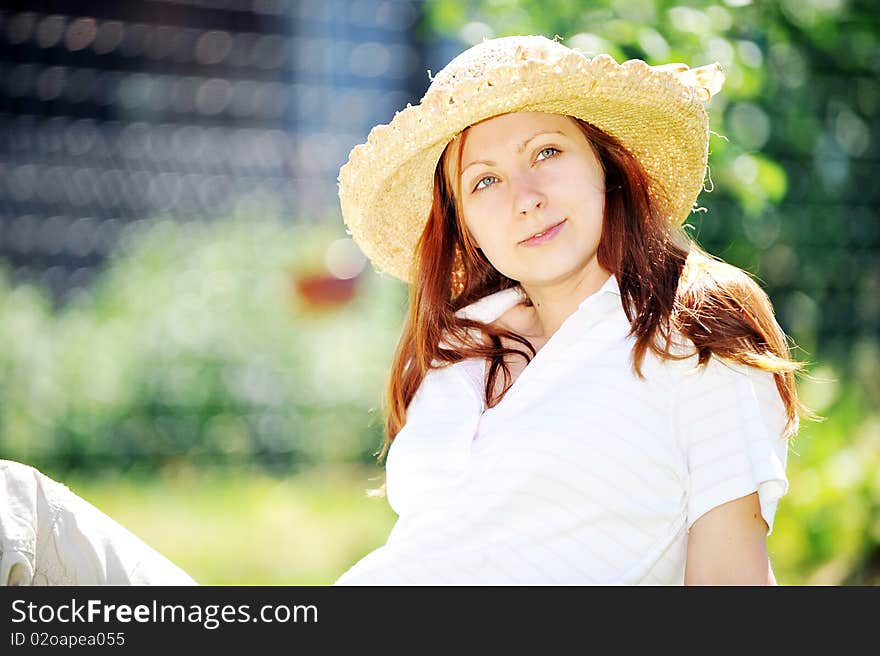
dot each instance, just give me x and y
(489, 308)
(610, 286)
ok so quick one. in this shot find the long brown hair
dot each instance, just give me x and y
(668, 285)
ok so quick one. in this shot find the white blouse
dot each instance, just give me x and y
(583, 473)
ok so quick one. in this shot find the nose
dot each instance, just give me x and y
(529, 199)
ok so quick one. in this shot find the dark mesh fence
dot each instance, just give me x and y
(118, 116)
(114, 112)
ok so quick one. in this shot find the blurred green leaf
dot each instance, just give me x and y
(195, 341)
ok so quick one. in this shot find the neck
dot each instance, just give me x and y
(554, 302)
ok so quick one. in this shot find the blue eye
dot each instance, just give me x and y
(482, 180)
(543, 154)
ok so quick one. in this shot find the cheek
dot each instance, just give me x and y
(479, 222)
(473, 229)
(492, 238)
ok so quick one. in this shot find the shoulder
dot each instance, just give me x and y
(722, 393)
(720, 374)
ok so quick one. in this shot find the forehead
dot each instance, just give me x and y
(508, 130)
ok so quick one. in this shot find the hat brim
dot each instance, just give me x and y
(386, 188)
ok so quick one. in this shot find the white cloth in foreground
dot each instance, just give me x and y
(583, 474)
(50, 536)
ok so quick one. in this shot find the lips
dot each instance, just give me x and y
(543, 231)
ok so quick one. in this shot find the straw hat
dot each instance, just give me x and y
(385, 188)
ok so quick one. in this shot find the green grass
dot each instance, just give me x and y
(248, 528)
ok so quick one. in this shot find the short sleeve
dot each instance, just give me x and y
(730, 420)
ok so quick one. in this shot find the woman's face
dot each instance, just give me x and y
(527, 173)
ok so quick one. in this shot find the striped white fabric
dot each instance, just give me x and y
(584, 473)
(50, 536)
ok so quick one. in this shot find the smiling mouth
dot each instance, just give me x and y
(543, 232)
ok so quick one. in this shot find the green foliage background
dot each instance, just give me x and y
(193, 344)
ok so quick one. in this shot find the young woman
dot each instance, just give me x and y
(580, 393)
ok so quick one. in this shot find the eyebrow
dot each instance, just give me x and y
(519, 149)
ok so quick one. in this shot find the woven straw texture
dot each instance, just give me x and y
(385, 188)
